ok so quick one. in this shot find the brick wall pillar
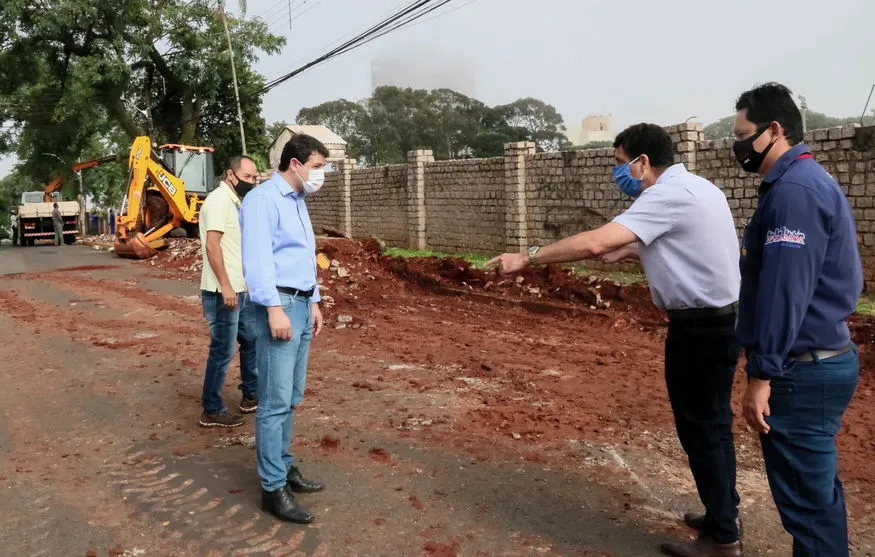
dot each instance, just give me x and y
(344, 167)
(686, 137)
(516, 218)
(416, 161)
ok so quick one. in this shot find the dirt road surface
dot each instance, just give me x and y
(444, 425)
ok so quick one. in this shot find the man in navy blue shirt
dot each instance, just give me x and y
(800, 280)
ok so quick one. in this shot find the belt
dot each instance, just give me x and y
(701, 313)
(296, 292)
(822, 354)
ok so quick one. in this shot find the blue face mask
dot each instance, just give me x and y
(627, 184)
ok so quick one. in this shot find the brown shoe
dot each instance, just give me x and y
(703, 547)
(248, 405)
(697, 522)
(220, 419)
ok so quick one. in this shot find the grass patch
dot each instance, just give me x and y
(623, 277)
(476, 259)
(866, 305)
(479, 260)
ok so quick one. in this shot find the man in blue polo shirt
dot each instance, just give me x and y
(801, 277)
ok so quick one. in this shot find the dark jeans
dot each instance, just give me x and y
(700, 360)
(807, 405)
(227, 328)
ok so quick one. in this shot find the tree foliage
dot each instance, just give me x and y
(81, 73)
(724, 127)
(393, 121)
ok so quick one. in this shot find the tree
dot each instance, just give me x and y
(724, 127)
(593, 145)
(720, 129)
(80, 69)
(384, 127)
(542, 122)
(273, 131)
(343, 117)
(11, 188)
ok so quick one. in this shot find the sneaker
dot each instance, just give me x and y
(221, 419)
(248, 405)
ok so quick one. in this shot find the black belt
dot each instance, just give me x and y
(296, 292)
(701, 313)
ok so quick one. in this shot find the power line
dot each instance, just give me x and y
(410, 13)
(347, 36)
(282, 9)
(296, 16)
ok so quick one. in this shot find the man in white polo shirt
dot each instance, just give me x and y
(682, 229)
(223, 291)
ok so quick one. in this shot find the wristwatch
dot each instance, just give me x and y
(533, 252)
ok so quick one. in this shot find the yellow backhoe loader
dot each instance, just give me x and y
(165, 192)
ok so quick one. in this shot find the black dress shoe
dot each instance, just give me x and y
(281, 503)
(298, 484)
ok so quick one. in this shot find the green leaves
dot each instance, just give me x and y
(382, 129)
(81, 75)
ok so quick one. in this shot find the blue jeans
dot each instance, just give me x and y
(807, 405)
(227, 328)
(282, 365)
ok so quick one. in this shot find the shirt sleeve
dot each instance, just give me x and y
(258, 220)
(214, 214)
(649, 217)
(796, 227)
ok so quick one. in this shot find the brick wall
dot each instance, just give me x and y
(464, 205)
(328, 213)
(378, 201)
(570, 192)
(525, 198)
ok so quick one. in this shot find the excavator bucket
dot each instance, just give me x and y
(136, 247)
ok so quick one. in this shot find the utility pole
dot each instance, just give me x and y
(863, 115)
(233, 75)
(804, 108)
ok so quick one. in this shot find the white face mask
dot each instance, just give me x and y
(317, 178)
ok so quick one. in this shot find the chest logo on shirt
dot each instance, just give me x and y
(785, 237)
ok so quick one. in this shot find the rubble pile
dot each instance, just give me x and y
(185, 252)
(97, 239)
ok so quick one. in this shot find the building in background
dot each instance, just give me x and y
(592, 128)
(425, 69)
(335, 144)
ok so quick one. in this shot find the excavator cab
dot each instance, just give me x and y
(192, 165)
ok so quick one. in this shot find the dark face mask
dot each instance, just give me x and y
(242, 187)
(750, 159)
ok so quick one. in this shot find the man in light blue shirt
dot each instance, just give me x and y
(279, 264)
(682, 229)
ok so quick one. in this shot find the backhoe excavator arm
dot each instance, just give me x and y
(141, 227)
(58, 182)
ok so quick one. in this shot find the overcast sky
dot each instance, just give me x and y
(640, 60)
